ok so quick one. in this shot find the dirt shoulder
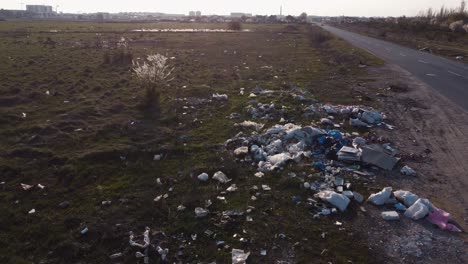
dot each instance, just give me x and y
(443, 43)
(431, 134)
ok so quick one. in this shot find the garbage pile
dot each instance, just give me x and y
(280, 144)
(413, 207)
(358, 116)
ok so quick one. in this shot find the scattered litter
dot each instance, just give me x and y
(181, 208)
(390, 216)
(417, 211)
(381, 197)
(251, 125)
(239, 256)
(26, 186)
(349, 154)
(201, 212)
(242, 151)
(232, 188)
(32, 211)
(157, 157)
(203, 177)
(441, 218)
(116, 255)
(339, 201)
(406, 197)
(221, 97)
(263, 252)
(266, 188)
(40, 186)
(338, 223)
(459, 57)
(259, 174)
(84, 231)
(221, 177)
(406, 170)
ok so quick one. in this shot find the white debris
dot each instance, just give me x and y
(232, 188)
(201, 212)
(221, 177)
(406, 170)
(203, 177)
(157, 157)
(251, 125)
(266, 188)
(381, 197)
(339, 201)
(406, 197)
(222, 97)
(242, 151)
(417, 211)
(26, 186)
(259, 174)
(32, 211)
(390, 216)
(239, 256)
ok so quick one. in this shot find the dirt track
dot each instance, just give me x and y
(432, 135)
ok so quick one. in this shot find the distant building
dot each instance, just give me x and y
(40, 10)
(195, 13)
(239, 15)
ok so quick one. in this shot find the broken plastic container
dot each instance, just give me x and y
(406, 197)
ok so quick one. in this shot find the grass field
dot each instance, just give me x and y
(87, 141)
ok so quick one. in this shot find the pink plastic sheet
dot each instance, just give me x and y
(440, 218)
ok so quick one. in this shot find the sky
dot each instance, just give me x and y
(260, 7)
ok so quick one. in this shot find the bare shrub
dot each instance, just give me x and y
(153, 73)
(235, 25)
(457, 26)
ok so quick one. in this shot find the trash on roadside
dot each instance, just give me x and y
(221, 177)
(251, 125)
(201, 212)
(390, 216)
(221, 97)
(32, 211)
(381, 197)
(441, 218)
(84, 231)
(339, 201)
(418, 210)
(157, 157)
(26, 186)
(40, 186)
(406, 170)
(203, 177)
(241, 151)
(266, 188)
(406, 197)
(239, 256)
(232, 188)
(358, 197)
(379, 156)
(349, 154)
(400, 207)
(459, 57)
(116, 255)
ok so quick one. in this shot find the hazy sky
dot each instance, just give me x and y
(293, 7)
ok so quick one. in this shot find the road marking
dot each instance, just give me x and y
(454, 73)
(431, 74)
(421, 61)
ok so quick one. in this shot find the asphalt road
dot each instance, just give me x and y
(448, 77)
